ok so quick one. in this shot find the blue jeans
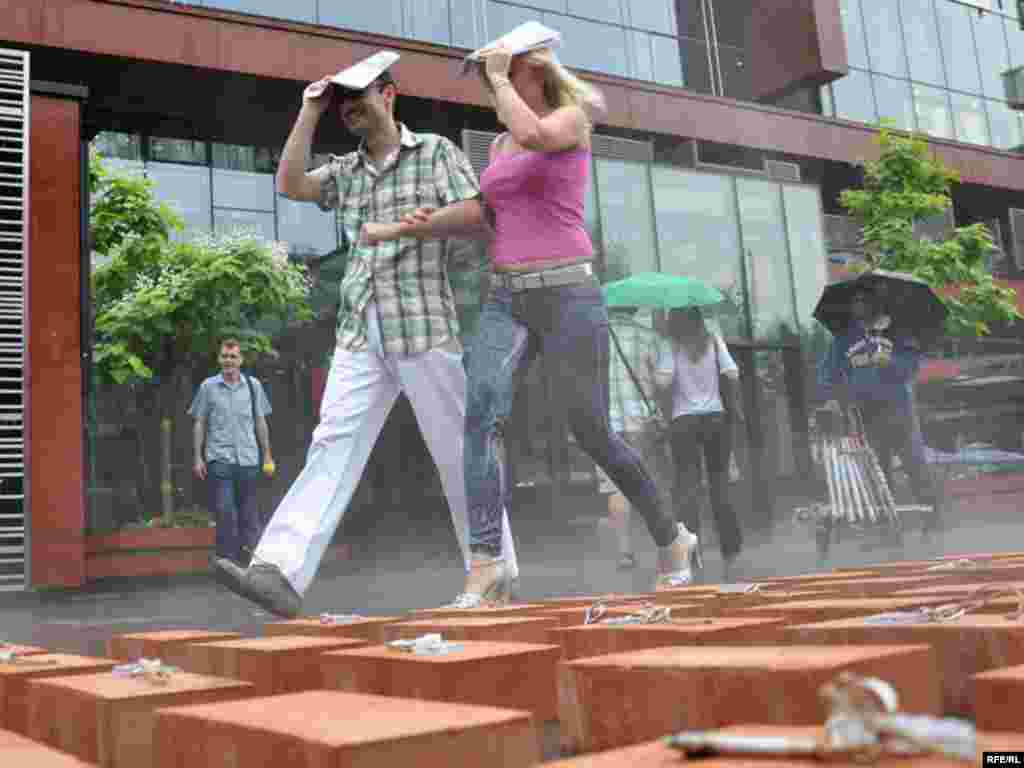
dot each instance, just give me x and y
(233, 503)
(569, 326)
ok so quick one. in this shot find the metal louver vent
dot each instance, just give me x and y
(614, 148)
(477, 146)
(14, 103)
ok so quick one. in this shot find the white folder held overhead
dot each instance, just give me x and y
(360, 75)
(525, 38)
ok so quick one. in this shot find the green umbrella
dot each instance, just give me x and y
(660, 291)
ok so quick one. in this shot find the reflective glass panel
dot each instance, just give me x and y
(853, 97)
(894, 101)
(698, 236)
(806, 248)
(227, 220)
(428, 20)
(666, 59)
(381, 16)
(305, 228)
(124, 146)
(932, 108)
(187, 189)
(241, 189)
(767, 259)
(1007, 126)
(993, 57)
(627, 228)
(921, 30)
(295, 10)
(883, 31)
(971, 123)
(956, 29)
(653, 15)
(853, 25)
(177, 150)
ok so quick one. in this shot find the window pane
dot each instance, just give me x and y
(767, 259)
(428, 20)
(177, 151)
(923, 47)
(306, 229)
(1007, 127)
(853, 26)
(827, 107)
(969, 114)
(609, 11)
(381, 16)
(240, 189)
(993, 58)
(296, 10)
(665, 53)
(237, 157)
(894, 101)
(932, 108)
(885, 38)
(593, 46)
(655, 15)
(806, 248)
(956, 23)
(698, 236)
(641, 60)
(467, 19)
(187, 189)
(853, 98)
(1015, 43)
(226, 220)
(627, 228)
(124, 146)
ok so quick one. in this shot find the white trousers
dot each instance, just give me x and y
(361, 390)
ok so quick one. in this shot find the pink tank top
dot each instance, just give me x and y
(537, 198)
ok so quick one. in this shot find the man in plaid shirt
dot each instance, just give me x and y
(397, 326)
(629, 415)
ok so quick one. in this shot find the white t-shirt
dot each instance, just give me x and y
(695, 385)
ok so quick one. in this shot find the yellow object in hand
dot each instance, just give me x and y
(269, 468)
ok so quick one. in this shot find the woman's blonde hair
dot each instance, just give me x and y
(561, 87)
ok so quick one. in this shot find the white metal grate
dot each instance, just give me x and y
(14, 124)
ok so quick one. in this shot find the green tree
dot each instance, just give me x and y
(905, 185)
(162, 305)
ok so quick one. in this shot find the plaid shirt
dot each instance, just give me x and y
(407, 278)
(643, 347)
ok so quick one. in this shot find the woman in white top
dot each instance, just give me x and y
(691, 372)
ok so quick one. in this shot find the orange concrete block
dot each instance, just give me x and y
(331, 728)
(14, 680)
(369, 628)
(601, 639)
(948, 590)
(573, 617)
(965, 647)
(826, 576)
(576, 601)
(884, 586)
(813, 611)
(507, 629)
(515, 609)
(281, 664)
(997, 699)
(108, 720)
(168, 645)
(657, 754)
(19, 752)
(628, 698)
(509, 675)
(21, 650)
(727, 604)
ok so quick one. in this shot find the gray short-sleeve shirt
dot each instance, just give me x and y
(230, 433)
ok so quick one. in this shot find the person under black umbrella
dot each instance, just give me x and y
(872, 365)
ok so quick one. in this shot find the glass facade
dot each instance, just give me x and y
(696, 44)
(934, 66)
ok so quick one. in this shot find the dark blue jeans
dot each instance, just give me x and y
(569, 326)
(233, 503)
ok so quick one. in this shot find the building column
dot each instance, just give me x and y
(54, 380)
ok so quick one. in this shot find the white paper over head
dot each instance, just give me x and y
(527, 37)
(360, 75)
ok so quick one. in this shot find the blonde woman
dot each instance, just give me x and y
(544, 299)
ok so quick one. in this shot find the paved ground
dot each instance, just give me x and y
(557, 558)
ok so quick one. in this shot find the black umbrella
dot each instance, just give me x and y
(911, 303)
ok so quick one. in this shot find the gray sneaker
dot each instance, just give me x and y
(263, 584)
